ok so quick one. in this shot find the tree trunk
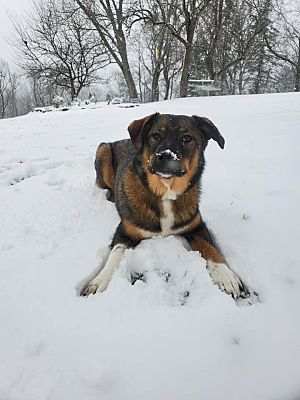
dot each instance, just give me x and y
(185, 70)
(297, 83)
(142, 97)
(73, 90)
(154, 85)
(257, 82)
(167, 81)
(2, 111)
(133, 94)
(297, 80)
(120, 56)
(79, 89)
(210, 66)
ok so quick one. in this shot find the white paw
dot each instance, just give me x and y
(101, 281)
(227, 281)
(88, 289)
(94, 286)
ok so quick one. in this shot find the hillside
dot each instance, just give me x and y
(139, 342)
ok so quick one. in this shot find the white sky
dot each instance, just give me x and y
(15, 7)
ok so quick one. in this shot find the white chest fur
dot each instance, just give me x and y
(167, 220)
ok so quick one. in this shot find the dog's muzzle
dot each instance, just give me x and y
(167, 164)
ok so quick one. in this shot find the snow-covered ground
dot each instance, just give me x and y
(139, 342)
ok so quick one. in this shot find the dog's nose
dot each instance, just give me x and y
(167, 155)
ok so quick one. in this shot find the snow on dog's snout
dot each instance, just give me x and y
(170, 153)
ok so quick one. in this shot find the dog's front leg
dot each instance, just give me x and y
(120, 243)
(102, 279)
(200, 239)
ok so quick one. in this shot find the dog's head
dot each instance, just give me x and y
(171, 142)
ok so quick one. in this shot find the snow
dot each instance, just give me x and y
(149, 341)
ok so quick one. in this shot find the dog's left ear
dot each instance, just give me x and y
(138, 127)
(209, 130)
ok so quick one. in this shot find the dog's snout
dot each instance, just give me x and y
(167, 163)
(167, 155)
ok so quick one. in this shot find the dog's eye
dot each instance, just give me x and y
(187, 138)
(156, 136)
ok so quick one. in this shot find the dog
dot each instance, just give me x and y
(154, 180)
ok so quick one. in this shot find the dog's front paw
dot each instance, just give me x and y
(93, 287)
(88, 289)
(227, 280)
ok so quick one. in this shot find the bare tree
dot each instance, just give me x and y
(165, 56)
(283, 38)
(54, 43)
(43, 89)
(159, 60)
(4, 88)
(142, 66)
(109, 19)
(14, 83)
(229, 42)
(180, 18)
(171, 67)
(8, 91)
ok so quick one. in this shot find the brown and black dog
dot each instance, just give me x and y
(154, 179)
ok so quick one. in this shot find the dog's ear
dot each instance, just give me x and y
(209, 130)
(138, 127)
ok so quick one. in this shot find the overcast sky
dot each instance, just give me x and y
(15, 7)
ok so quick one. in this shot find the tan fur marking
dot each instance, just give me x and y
(132, 230)
(104, 167)
(104, 154)
(193, 224)
(156, 184)
(154, 181)
(139, 198)
(208, 252)
(180, 184)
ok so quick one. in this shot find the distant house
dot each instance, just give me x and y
(203, 87)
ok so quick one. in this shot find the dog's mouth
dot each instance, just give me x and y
(167, 173)
(166, 164)
(164, 175)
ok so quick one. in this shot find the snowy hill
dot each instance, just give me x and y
(139, 342)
